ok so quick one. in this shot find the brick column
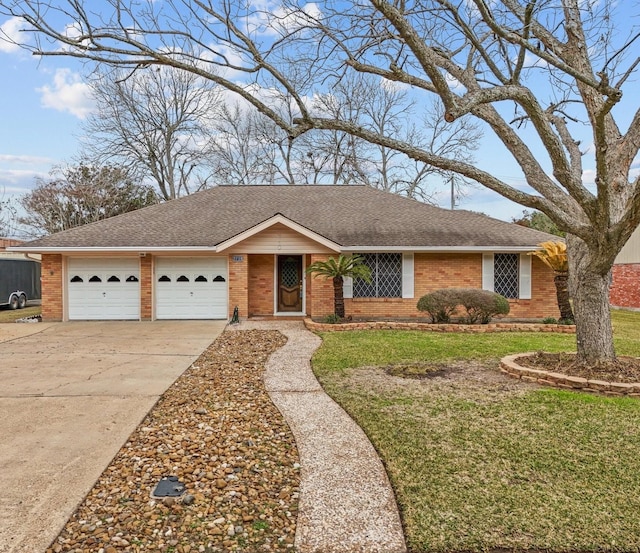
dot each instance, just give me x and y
(51, 281)
(321, 292)
(146, 288)
(239, 284)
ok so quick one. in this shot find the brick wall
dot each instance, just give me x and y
(239, 284)
(434, 271)
(261, 269)
(308, 278)
(319, 292)
(146, 287)
(51, 280)
(625, 286)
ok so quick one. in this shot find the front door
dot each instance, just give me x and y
(290, 283)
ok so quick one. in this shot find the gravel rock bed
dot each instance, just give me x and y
(217, 430)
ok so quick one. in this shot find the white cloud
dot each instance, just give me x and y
(14, 182)
(11, 34)
(68, 93)
(26, 159)
(454, 84)
(286, 20)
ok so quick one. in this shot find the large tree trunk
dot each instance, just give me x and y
(338, 296)
(561, 281)
(589, 281)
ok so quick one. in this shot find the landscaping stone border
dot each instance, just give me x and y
(434, 327)
(509, 365)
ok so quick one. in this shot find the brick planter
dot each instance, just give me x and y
(430, 327)
(509, 365)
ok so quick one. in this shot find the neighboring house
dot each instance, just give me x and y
(625, 284)
(200, 256)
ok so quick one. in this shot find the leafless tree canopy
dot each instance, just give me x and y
(7, 217)
(551, 76)
(157, 123)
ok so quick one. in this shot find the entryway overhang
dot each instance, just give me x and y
(275, 220)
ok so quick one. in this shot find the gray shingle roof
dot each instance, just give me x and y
(346, 215)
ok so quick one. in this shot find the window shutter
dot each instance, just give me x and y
(525, 277)
(347, 287)
(407, 275)
(487, 271)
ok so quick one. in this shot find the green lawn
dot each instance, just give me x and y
(9, 315)
(483, 462)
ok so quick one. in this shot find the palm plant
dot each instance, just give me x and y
(338, 269)
(554, 255)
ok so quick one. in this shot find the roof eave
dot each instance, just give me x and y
(114, 249)
(440, 249)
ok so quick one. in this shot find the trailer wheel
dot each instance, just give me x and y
(14, 302)
(22, 301)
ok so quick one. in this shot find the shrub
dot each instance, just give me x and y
(331, 319)
(480, 305)
(440, 304)
(550, 321)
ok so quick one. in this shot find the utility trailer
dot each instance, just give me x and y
(19, 282)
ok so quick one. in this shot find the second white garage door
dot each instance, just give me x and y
(191, 288)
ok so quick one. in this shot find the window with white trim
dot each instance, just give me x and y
(506, 271)
(508, 274)
(386, 276)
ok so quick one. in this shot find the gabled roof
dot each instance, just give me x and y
(353, 217)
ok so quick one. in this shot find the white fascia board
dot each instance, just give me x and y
(439, 249)
(274, 221)
(118, 249)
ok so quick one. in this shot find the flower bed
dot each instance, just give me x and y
(434, 327)
(509, 365)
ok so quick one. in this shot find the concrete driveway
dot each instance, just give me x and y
(70, 395)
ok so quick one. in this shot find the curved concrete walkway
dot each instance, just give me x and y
(346, 501)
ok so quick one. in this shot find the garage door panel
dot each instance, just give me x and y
(191, 288)
(103, 289)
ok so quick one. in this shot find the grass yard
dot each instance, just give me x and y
(480, 461)
(10, 315)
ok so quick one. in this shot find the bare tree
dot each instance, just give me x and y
(8, 217)
(156, 122)
(248, 148)
(77, 195)
(541, 75)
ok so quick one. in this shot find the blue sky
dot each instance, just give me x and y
(45, 100)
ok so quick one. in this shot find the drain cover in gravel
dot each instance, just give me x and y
(169, 486)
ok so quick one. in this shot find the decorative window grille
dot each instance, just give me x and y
(505, 274)
(289, 276)
(386, 277)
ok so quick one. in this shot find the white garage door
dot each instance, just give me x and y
(103, 289)
(191, 288)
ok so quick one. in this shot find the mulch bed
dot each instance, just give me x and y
(624, 369)
(217, 430)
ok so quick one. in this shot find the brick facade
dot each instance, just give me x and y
(434, 271)
(625, 286)
(261, 271)
(251, 287)
(146, 288)
(239, 284)
(51, 281)
(320, 292)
